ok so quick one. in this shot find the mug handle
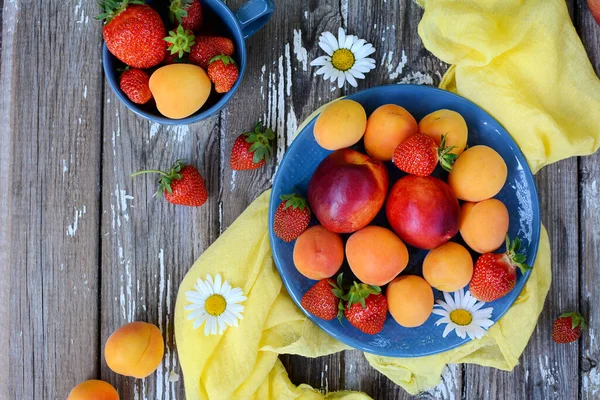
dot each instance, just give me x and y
(253, 15)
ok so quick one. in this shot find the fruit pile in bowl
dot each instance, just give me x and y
(168, 60)
(394, 199)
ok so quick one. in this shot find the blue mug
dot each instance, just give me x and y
(238, 26)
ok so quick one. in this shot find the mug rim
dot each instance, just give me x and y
(200, 115)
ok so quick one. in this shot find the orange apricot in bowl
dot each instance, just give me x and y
(449, 123)
(478, 174)
(93, 390)
(376, 255)
(135, 349)
(341, 124)
(410, 300)
(448, 267)
(387, 127)
(484, 225)
(318, 253)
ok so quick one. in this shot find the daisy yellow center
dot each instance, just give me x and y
(461, 317)
(342, 59)
(215, 305)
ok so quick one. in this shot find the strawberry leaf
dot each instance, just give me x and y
(166, 178)
(261, 148)
(576, 319)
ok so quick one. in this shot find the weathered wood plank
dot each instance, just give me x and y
(589, 174)
(53, 135)
(148, 245)
(279, 88)
(547, 370)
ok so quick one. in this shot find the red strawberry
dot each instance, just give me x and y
(419, 155)
(134, 83)
(324, 299)
(173, 58)
(291, 217)
(366, 308)
(207, 47)
(495, 275)
(180, 41)
(223, 72)
(251, 150)
(188, 13)
(133, 32)
(567, 328)
(182, 185)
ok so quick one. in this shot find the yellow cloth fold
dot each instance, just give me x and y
(521, 61)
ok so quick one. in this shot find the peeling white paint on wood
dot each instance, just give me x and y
(417, 78)
(449, 384)
(72, 228)
(299, 50)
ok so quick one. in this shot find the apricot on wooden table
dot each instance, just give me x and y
(478, 174)
(448, 267)
(341, 124)
(93, 390)
(410, 300)
(376, 255)
(387, 127)
(449, 123)
(318, 253)
(135, 349)
(484, 225)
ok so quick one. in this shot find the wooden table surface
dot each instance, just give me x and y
(85, 249)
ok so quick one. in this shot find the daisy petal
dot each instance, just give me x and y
(341, 38)
(324, 44)
(324, 69)
(357, 74)
(437, 311)
(365, 51)
(331, 41)
(448, 329)
(323, 60)
(449, 300)
(357, 45)
(350, 79)
(349, 41)
(217, 285)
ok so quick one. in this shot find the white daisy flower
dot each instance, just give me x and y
(215, 304)
(346, 58)
(463, 314)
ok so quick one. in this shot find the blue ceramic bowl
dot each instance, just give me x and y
(218, 20)
(519, 195)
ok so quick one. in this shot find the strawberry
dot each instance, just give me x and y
(223, 72)
(188, 13)
(207, 47)
(324, 299)
(495, 275)
(173, 58)
(134, 83)
(594, 6)
(366, 308)
(291, 217)
(180, 41)
(182, 185)
(251, 150)
(567, 328)
(419, 155)
(133, 32)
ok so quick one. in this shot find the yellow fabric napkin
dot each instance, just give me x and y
(522, 62)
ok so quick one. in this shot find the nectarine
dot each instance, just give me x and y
(318, 253)
(448, 267)
(410, 300)
(387, 127)
(341, 124)
(93, 390)
(376, 255)
(484, 225)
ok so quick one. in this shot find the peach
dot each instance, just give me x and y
(347, 190)
(484, 225)
(423, 211)
(341, 124)
(478, 174)
(93, 390)
(376, 255)
(387, 127)
(318, 253)
(448, 267)
(179, 89)
(410, 300)
(449, 123)
(135, 349)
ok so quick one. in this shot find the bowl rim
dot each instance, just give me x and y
(383, 351)
(199, 115)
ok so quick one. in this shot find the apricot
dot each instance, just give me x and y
(135, 349)
(484, 225)
(318, 253)
(376, 255)
(179, 89)
(341, 124)
(387, 127)
(410, 300)
(448, 267)
(478, 174)
(93, 390)
(449, 123)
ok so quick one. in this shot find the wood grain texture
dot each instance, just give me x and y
(54, 131)
(589, 176)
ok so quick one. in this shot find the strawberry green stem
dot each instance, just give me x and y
(149, 171)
